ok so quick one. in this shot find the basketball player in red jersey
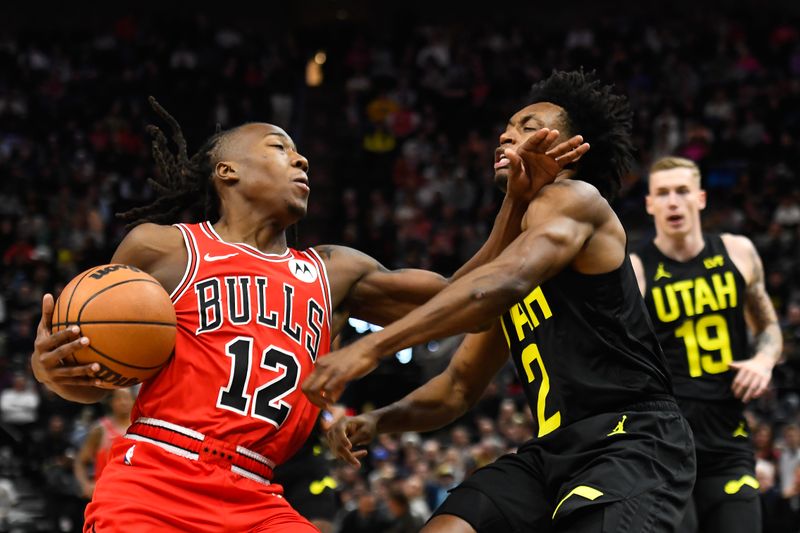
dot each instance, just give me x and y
(253, 318)
(105, 433)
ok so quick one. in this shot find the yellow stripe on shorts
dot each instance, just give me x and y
(581, 490)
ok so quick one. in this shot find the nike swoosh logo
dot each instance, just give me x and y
(211, 258)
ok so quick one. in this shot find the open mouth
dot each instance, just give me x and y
(500, 160)
(675, 219)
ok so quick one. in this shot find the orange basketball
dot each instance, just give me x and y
(128, 317)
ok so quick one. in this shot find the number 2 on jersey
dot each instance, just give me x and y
(267, 400)
(697, 336)
(547, 424)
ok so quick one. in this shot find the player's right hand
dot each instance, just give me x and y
(51, 353)
(348, 432)
(537, 161)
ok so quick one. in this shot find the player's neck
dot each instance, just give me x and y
(122, 421)
(267, 235)
(682, 247)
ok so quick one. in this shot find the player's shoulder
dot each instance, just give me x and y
(150, 233)
(737, 243)
(574, 197)
(744, 255)
(148, 243)
(338, 254)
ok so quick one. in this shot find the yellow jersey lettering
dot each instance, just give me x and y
(713, 262)
(547, 424)
(725, 291)
(704, 296)
(537, 296)
(685, 289)
(520, 318)
(663, 314)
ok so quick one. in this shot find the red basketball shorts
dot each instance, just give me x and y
(146, 488)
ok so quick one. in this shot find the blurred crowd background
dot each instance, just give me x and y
(398, 112)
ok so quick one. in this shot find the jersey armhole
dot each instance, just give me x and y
(192, 263)
(324, 282)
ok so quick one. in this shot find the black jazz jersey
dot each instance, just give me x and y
(697, 308)
(584, 345)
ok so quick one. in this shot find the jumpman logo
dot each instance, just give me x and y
(661, 273)
(740, 431)
(620, 427)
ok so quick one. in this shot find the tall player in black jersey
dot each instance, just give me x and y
(700, 289)
(612, 452)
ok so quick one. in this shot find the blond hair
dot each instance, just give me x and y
(670, 162)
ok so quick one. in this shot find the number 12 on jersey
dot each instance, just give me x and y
(531, 355)
(267, 400)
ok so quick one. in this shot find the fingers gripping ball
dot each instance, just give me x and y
(128, 318)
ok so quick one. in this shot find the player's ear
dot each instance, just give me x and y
(648, 204)
(701, 199)
(226, 171)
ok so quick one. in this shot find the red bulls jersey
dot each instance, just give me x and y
(250, 328)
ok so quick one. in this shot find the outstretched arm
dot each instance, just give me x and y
(560, 221)
(365, 289)
(431, 406)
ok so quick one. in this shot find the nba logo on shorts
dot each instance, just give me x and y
(303, 270)
(129, 455)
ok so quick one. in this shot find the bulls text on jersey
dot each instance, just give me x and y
(238, 300)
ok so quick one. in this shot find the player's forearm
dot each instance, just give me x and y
(427, 408)
(769, 343)
(506, 228)
(466, 305)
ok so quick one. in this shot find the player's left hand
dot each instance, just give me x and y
(333, 371)
(752, 378)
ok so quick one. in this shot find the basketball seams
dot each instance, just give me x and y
(133, 322)
(108, 288)
(101, 354)
(75, 288)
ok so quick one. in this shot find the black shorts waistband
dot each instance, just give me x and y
(656, 403)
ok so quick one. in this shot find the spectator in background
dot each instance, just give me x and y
(401, 518)
(53, 451)
(763, 443)
(776, 515)
(789, 459)
(101, 437)
(19, 409)
(365, 518)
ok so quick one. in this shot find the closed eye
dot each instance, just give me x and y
(280, 146)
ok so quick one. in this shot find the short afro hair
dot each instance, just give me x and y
(603, 118)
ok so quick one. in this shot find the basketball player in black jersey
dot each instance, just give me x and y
(699, 288)
(612, 453)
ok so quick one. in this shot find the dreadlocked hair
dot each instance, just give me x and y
(183, 183)
(603, 118)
